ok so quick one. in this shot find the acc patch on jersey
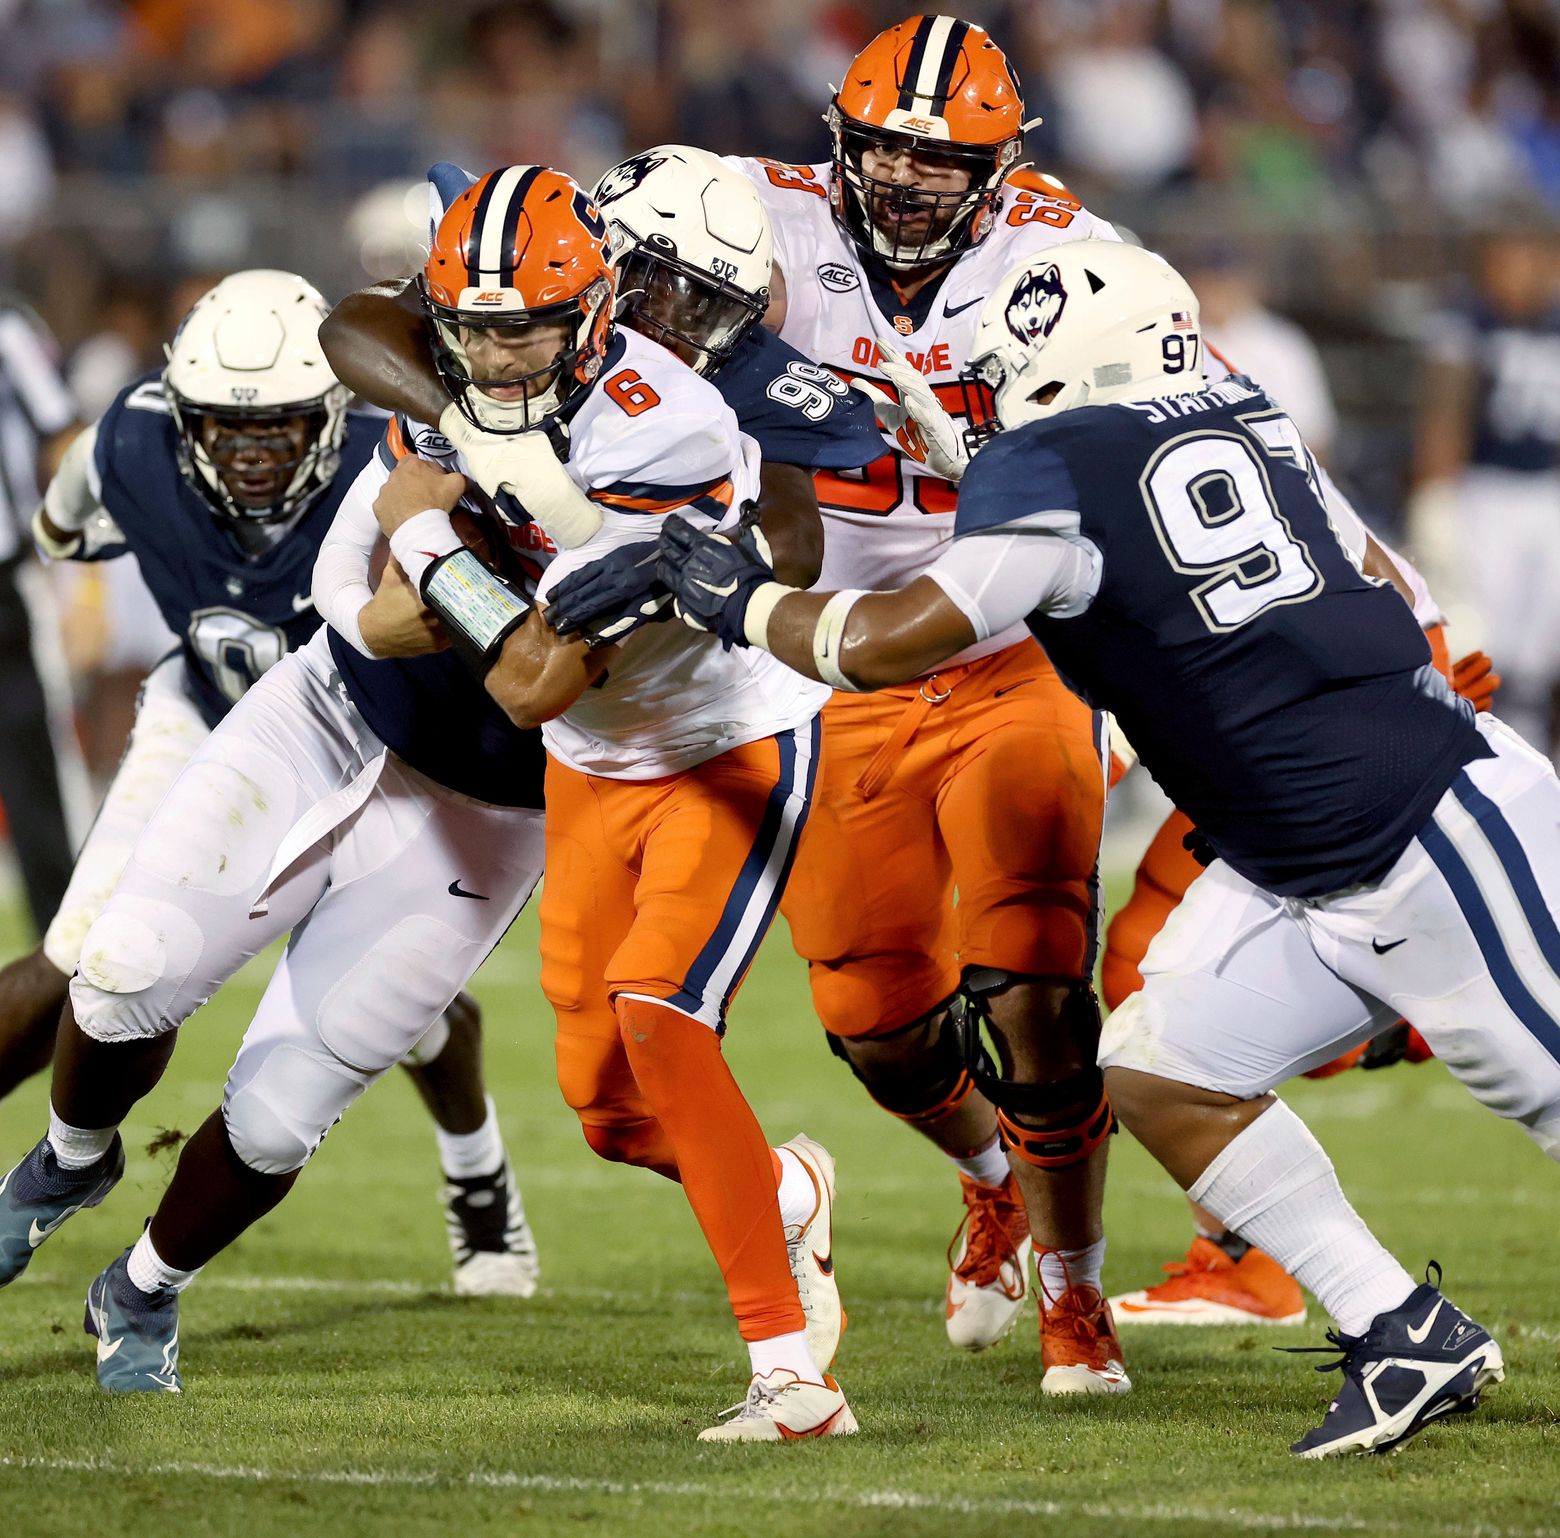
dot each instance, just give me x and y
(837, 277)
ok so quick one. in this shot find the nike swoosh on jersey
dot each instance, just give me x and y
(950, 310)
(1392, 945)
(302, 601)
(456, 890)
(1418, 1336)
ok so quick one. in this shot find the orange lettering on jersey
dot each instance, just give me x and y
(864, 352)
(904, 325)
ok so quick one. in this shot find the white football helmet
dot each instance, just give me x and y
(260, 416)
(693, 250)
(1099, 320)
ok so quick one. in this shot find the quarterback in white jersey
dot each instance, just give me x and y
(679, 774)
(883, 256)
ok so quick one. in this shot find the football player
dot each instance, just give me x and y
(679, 775)
(367, 811)
(921, 790)
(221, 476)
(883, 256)
(1222, 1279)
(1379, 849)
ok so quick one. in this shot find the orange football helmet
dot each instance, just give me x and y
(519, 274)
(939, 92)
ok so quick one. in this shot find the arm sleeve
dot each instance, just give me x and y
(341, 569)
(996, 577)
(27, 358)
(1345, 521)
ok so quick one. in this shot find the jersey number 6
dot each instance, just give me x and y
(631, 392)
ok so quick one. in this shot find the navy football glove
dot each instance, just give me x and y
(713, 578)
(611, 598)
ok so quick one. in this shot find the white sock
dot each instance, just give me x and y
(464, 1155)
(149, 1271)
(1275, 1186)
(987, 1166)
(788, 1351)
(77, 1147)
(797, 1192)
(1060, 1269)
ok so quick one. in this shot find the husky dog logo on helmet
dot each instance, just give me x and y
(1036, 305)
(625, 176)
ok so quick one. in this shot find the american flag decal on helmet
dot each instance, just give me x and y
(1181, 320)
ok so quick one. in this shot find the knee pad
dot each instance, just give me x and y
(1051, 1124)
(280, 1115)
(135, 960)
(640, 1143)
(923, 1081)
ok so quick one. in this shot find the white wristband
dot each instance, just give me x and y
(755, 623)
(830, 635)
(421, 541)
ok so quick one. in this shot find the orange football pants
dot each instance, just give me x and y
(983, 780)
(656, 895)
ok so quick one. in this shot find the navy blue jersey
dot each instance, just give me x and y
(1282, 700)
(1517, 372)
(798, 412)
(235, 614)
(430, 710)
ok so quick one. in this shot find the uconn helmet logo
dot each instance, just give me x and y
(624, 178)
(1036, 305)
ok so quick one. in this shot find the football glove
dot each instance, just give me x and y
(527, 466)
(1474, 677)
(917, 418)
(611, 598)
(712, 577)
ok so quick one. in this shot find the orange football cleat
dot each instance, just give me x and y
(1210, 1288)
(1079, 1349)
(989, 1271)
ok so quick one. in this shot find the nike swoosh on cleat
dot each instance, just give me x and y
(1418, 1336)
(825, 1262)
(41, 1231)
(456, 891)
(302, 601)
(1392, 945)
(107, 1348)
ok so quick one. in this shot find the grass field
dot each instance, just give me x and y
(331, 1385)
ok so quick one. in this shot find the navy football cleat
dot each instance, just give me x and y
(1424, 1359)
(137, 1333)
(38, 1195)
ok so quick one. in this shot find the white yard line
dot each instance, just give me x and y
(892, 1500)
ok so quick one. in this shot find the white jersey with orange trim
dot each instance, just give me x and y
(655, 438)
(886, 524)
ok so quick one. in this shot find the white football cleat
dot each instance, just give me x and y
(810, 1247)
(780, 1407)
(988, 1278)
(491, 1243)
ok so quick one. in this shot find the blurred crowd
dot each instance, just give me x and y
(1345, 180)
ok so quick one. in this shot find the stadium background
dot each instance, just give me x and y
(1347, 156)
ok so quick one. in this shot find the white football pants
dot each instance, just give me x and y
(293, 816)
(1243, 990)
(168, 729)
